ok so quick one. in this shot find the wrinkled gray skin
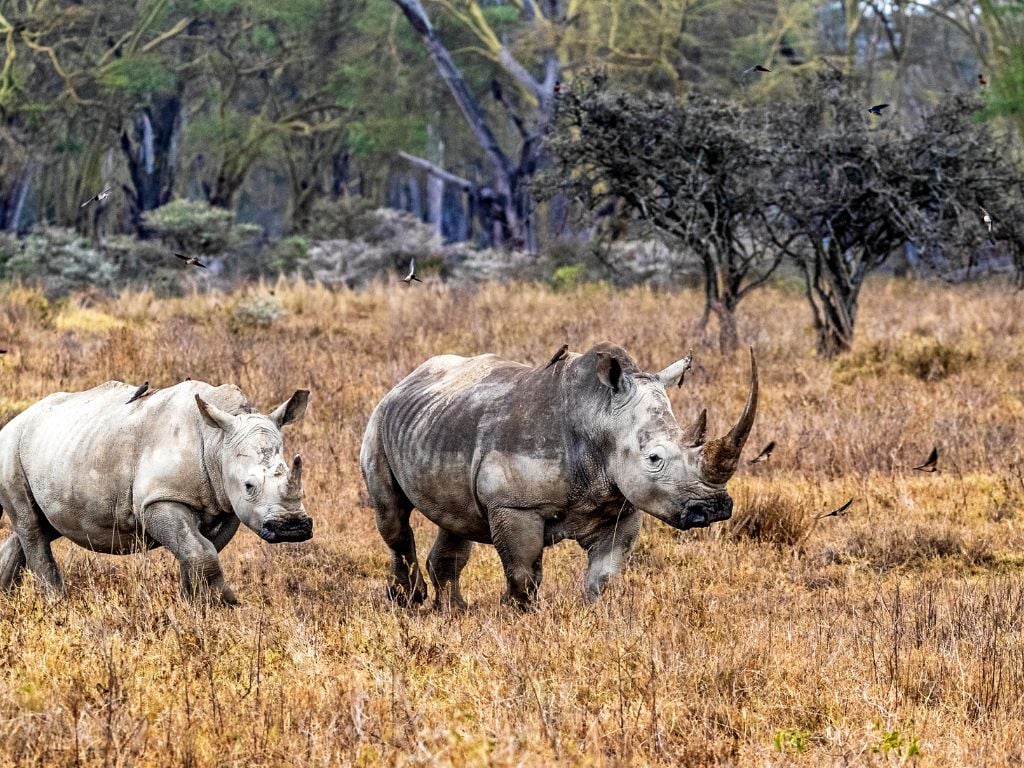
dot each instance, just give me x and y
(179, 468)
(499, 453)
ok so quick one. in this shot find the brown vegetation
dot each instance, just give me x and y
(891, 634)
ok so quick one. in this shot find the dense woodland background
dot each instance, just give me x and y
(563, 139)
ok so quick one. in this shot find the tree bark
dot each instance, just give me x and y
(151, 153)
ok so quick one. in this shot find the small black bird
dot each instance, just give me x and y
(756, 68)
(99, 197)
(139, 392)
(412, 273)
(877, 109)
(931, 465)
(838, 512)
(982, 81)
(764, 455)
(191, 261)
(558, 86)
(559, 355)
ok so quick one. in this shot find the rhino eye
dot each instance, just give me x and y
(654, 459)
(250, 487)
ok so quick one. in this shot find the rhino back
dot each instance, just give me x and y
(456, 426)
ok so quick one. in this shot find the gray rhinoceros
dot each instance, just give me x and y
(500, 453)
(180, 468)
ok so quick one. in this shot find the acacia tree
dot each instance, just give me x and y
(696, 171)
(854, 189)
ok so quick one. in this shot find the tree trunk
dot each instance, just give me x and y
(728, 336)
(509, 203)
(151, 152)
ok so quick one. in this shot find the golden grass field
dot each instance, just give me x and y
(891, 635)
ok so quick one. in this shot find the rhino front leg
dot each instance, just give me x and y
(175, 527)
(393, 508)
(607, 551)
(12, 562)
(518, 535)
(448, 557)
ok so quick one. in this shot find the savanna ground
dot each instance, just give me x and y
(890, 635)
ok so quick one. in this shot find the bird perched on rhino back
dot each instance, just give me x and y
(181, 468)
(498, 452)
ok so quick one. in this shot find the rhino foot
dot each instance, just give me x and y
(406, 595)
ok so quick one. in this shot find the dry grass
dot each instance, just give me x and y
(892, 634)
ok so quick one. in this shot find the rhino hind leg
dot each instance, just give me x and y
(12, 563)
(34, 534)
(448, 557)
(518, 535)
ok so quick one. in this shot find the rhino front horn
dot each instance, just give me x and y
(722, 455)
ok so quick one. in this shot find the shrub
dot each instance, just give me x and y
(769, 517)
(259, 310)
(566, 277)
(924, 358)
(59, 260)
(192, 226)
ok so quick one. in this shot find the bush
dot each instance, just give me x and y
(769, 517)
(924, 358)
(566, 277)
(59, 260)
(259, 310)
(191, 226)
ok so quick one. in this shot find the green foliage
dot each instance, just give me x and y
(905, 747)
(791, 740)
(138, 75)
(191, 225)
(566, 277)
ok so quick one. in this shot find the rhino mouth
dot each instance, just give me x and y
(701, 514)
(281, 531)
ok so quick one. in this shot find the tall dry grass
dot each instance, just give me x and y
(893, 634)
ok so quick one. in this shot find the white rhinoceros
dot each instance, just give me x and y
(178, 468)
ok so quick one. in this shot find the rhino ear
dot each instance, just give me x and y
(214, 416)
(292, 409)
(609, 372)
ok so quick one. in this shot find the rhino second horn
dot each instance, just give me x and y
(721, 456)
(295, 478)
(696, 433)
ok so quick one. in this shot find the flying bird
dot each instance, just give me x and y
(764, 455)
(559, 355)
(756, 68)
(98, 197)
(987, 218)
(139, 392)
(877, 109)
(412, 273)
(191, 261)
(837, 512)
(931, 465)
(982, 81)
